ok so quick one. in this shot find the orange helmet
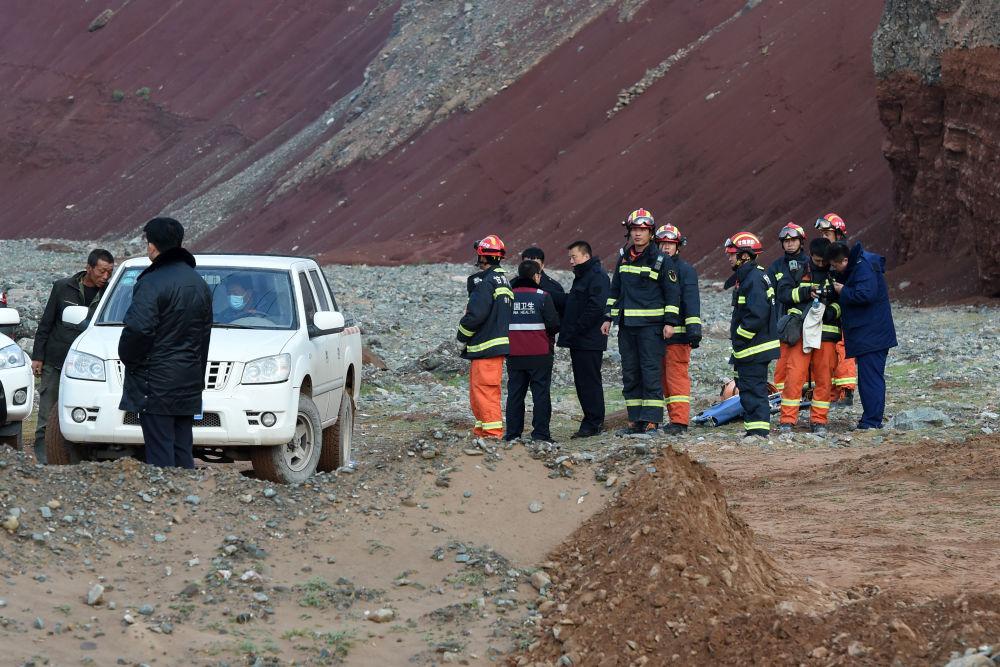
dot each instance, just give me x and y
(670, 234)
(791, 231)
(832, 221)
(640, 217)
(491, 246)
(743, 242)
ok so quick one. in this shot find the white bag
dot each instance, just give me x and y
(812, 327)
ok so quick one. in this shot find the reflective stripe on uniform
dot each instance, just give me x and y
(487, 426)
(839, 381)
(741, 299)
(643, 312)
(672, 309)
(791, 402)
(493, 342)
(821, 404)
(652, 402)
(628, 268)
(679, 398)
(757, 426)
(780, 386)
(770, 292)
(533, 326)
(795, 310)
(740, 331)
(465, 332)
(779, 276)
(831, 328)
(502, 291)
(680, 330)
(756, 349)
(633, 402)
(836, 308)
(692, 320)
(611, 301)
(614, 312)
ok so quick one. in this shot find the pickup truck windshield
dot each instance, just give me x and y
(242, 298)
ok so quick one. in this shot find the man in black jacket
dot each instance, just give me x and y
(533, 326)
(164, 346)
(548, 283)
(54, 337)
(580, 331)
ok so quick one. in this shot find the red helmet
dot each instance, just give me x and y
(491, 246)
(670, 234)
(640, 217)
(832, 221)
(791, 231)
(743, 242)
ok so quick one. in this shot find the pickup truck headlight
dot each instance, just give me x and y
(11, 357)
(267, 370)
(83, 366)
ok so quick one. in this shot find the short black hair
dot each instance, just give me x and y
(528, 269)
(239, 280)
(99, 255)
(836, 251)
(534, 252)
(582, 245)
(164, 233)
(818, 246)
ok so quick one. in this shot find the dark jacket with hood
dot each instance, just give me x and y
(689, 330)
(753, 329)
(484, 329)
(533, 326)
(54, 337)
(164, 343)
(644, 290)
(580, 328)
(552, 286)
(864, 303)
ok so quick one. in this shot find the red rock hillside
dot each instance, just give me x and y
(939, 99)
(388, 132)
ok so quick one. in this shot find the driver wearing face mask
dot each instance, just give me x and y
(240, 301)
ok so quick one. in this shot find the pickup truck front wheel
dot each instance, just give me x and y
(338, 439)
(296, 460)
(14, 437)
(58, 450)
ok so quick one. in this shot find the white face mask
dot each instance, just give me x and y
(236, 301)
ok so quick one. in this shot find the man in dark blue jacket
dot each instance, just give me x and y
(164, 346)
(548, 283)
(866, 315)
(581, 332)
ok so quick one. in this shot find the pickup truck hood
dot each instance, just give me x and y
(226, 344)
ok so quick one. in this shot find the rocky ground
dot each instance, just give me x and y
(434, 550)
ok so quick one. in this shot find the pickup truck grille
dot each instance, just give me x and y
(210, 419)
(216, 375)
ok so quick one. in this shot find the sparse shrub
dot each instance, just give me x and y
(118, 95)
(143, 92)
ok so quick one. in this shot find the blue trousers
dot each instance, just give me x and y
(871, 386)
(642, 351)
(168, 440)
(751, 380)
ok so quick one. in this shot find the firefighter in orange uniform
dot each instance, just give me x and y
(791, 263)
(814, 283)
(687, 336)
(845, 378)
(483, 331)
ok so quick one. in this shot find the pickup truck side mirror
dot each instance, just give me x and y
(10, 317)
(74, 314)
(329, 321)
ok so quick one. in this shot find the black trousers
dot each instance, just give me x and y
(589, 387)
(751, 380)
(168, 440)
(642, 351)
(539, 380)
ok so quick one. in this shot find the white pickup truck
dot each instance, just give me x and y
(282, 381)
(17, 384)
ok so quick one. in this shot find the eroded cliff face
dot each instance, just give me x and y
(938, 62)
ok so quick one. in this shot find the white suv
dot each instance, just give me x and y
(17, 384)
(282, 380)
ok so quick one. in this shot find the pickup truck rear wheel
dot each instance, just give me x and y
(58, 450)
(338, 439)
(294, 461)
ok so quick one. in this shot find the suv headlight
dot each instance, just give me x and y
(11, 356)
(267, 370)
(83, 366)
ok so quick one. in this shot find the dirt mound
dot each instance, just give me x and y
(975, 459)
(667, 574)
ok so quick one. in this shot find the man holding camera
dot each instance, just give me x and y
(818, 365)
